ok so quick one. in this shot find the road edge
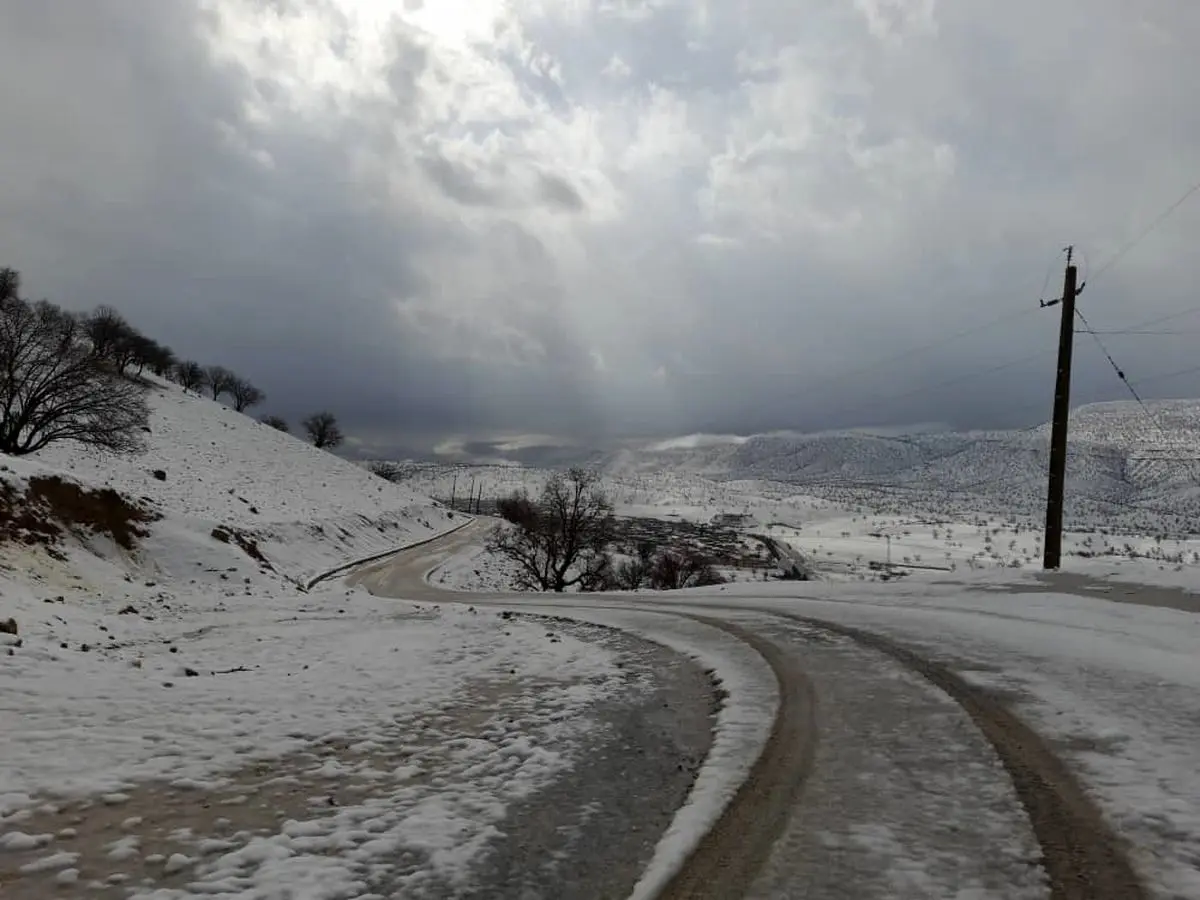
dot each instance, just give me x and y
(345, 568)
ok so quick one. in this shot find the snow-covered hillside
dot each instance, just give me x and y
(306, 509)
(162, 662)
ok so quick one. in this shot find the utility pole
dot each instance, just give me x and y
(471, 495)
(453, 490)
(479, 499)
(1052, 555)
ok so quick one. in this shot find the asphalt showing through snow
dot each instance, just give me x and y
(887, 774)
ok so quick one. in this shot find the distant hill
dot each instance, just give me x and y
(1126, 469)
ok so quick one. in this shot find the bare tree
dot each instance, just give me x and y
(244, 394)
(632, 574)
(53, 386)
(518, 509)
(219, 380)
(674, 570)
(322, 429)
(161, 360)
(105, 328)
(142, 351)
(277, 422)
(10, 284)
(190, 375)
(126, 347)
(560, 540)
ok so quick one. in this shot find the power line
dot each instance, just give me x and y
(1167, 318)
(1154, 333)
(1168, 375)
(922, 348)
(1162, 217)
(1132, 390)
(1120, 373)
(948, 382)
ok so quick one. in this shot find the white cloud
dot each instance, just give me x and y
(632, 212)
(616, 68)
(895, 20)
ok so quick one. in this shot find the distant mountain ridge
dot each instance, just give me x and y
(1127, 466)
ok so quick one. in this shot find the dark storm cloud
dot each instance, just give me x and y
(638, 218)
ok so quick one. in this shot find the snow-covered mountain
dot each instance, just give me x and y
(1129, 467)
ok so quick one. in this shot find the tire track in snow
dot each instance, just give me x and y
(1083, 858)
(725, 861)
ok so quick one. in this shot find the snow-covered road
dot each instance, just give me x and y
(910, 795)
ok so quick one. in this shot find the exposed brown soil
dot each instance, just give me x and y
(50, 507)
(245, 542)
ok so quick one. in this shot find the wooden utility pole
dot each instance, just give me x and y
(453, 490)
(471, 495)
(1052, 555)
(479, 498)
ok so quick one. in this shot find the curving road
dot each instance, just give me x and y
(891, 770)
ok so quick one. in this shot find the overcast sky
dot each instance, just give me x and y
(477, 222)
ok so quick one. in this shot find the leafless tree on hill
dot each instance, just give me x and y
(219, 380)
(105, 328)
(190, 375)
(277, 422)
(55, 387)
(10, 284)
(128, 347)
(161, 359)
(244, 394)
(322, 429)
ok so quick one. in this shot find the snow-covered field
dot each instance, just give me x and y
(1111, 684)
(189, 681)
(845, 541)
